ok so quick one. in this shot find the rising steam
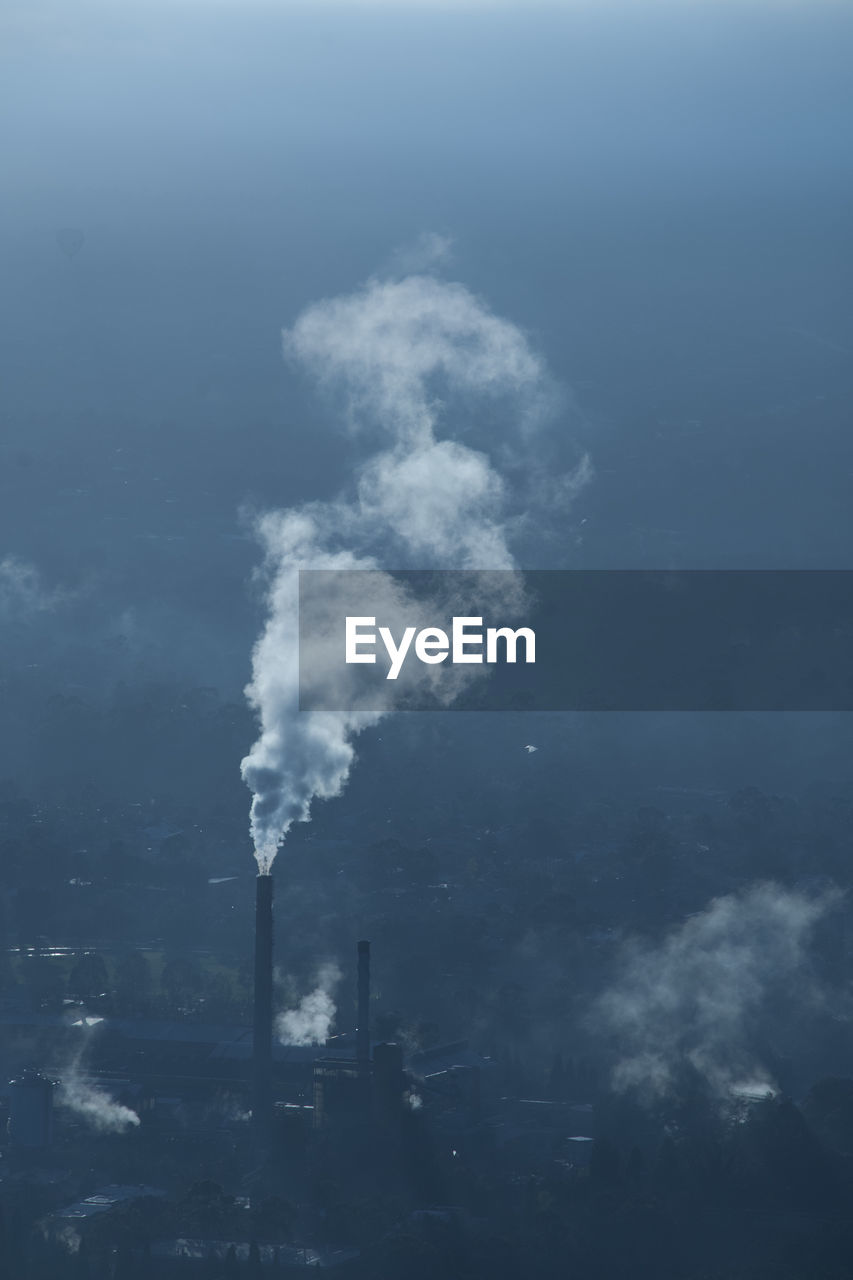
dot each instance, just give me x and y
(23, 592)
(694, 1000)
(95, 1106)
(420, 499)
(89, 1101)
(312, 1020)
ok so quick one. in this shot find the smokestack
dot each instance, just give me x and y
(363, 1035)
(262, 1029)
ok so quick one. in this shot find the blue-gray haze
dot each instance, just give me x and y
(660, 196)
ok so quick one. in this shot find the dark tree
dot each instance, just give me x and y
(88, 978)
(133, 982)
(604, 1163)
(254, 1267)
(180, 981)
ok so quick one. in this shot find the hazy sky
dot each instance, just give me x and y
(659, 196)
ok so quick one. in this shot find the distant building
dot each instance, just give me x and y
(31, 1110)
(193, 1253)
(101, 1201)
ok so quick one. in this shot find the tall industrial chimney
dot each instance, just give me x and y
(363, 1034)
(262, 1028)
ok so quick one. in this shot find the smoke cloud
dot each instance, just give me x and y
(695, 1000)
(92, 1103)
(397, 354)
(429, 251)
(95, 1106)
(23, 592)
(312, 1020)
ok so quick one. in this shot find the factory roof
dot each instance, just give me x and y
(226, 1041)
(443, 1057)
(103, 1199)
(195, 1250)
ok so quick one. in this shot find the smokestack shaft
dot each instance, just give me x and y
(363, 1036)
(262, 1028)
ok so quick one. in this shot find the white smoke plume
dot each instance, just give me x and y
(23, 592)
(67, 1237)
(95, 1106)
(87, 1100)
(695, 999)
(428, 252)
(312, 1020)
(420, 500)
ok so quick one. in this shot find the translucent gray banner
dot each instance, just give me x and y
(581, 640)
